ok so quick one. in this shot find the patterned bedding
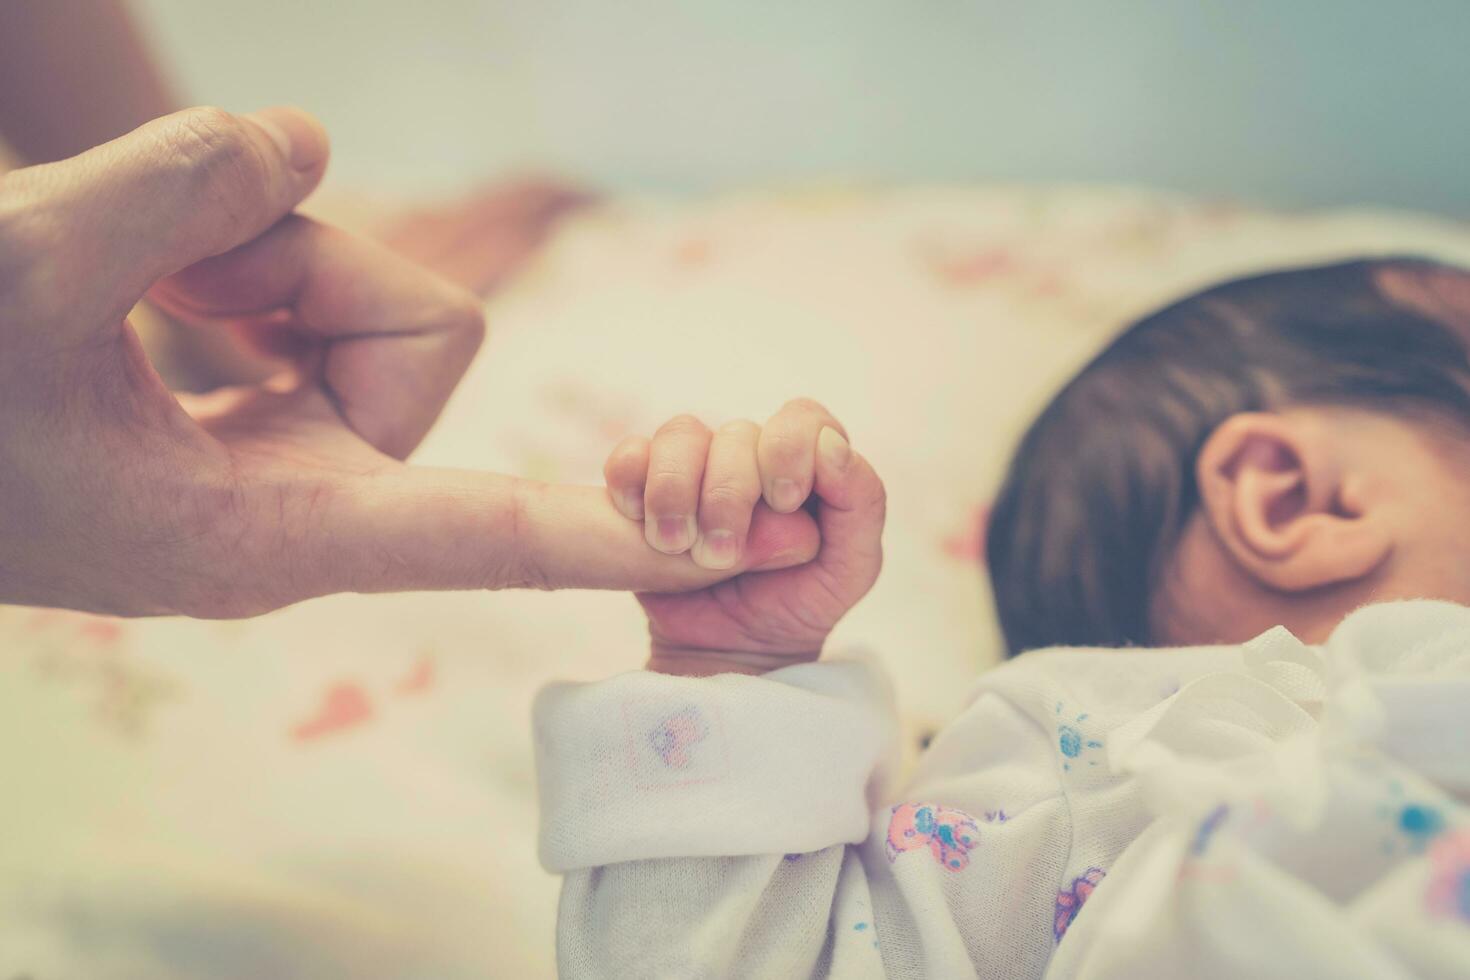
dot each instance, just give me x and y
(344, 788)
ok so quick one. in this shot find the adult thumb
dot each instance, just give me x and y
(181, 188)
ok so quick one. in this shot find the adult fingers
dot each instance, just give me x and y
(396, 338)
(422, 528)
(111, 221)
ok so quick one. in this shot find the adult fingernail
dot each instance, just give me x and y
(785, 496)
(836, 451)
(298, 136)
(717, 549)
(671, 535)
(632, 504)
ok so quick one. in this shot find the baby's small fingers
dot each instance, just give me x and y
(626, 470)
(787, 452)
(851, 514)
(675, 471)
(732, 488)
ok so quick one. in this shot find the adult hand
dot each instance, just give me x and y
(116, 498)
(480, 241)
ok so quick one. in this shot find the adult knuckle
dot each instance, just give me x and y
(220, 157)
(192, 544)
(466, 311)
(30, 236)
(468, 318)
(460, 324)
(209, 138)
(519, 564)
(460, 312)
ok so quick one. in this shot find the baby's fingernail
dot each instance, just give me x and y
(717, 549)
(671, 535)
(835, 450)
(784, 495)
(632, 504)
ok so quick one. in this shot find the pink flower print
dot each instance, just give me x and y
(1070, 900)
(343, 706)
(949, 835)
(1448, 895)
(693, 252)
(103, 632)
(968, 543)
(965, 267)
(419, 679)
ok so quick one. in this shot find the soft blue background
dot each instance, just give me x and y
(1283, 102)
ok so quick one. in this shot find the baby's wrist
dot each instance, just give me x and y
(697, 662)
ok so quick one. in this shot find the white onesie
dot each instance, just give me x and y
(1271, 810)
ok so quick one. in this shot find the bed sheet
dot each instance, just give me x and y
(344, 788)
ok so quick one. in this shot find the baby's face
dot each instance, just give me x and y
(1333, 509)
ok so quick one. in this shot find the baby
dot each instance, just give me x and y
(1275, 451)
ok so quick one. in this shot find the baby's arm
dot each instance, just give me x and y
(742, 825)
(701, 822)
(738, 826)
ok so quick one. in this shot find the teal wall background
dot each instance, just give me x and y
(1294, 102)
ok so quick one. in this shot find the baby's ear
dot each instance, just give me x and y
(1281, 501)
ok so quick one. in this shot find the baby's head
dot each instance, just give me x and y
(1274, 450)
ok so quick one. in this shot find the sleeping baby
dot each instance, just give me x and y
(1258, 777)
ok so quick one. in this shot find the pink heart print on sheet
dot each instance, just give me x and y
(967, 543)
(419, 679)
(346, 704)
(947, 834)
(343, 706)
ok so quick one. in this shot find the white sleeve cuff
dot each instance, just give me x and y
(647, 765)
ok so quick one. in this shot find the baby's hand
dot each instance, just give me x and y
(699, 491)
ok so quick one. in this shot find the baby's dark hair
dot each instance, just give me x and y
(1103, 482)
